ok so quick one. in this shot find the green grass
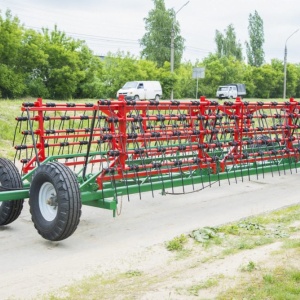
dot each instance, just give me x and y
(9, 110)
(211, 282)
(177, 243)
(278, 284)
(281, 281)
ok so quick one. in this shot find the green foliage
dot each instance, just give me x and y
(250, 226)
(280, 283)
(195, 289)
(168, 80)
(177, 243)
(255, 51)
(264, 79)
(249, 267)
(204, 234)
(133, 273)
(227, 44)
(11, 74)
(156, 42)
(52, 65)
(117, 70)
(185, 84)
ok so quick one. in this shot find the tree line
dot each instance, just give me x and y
(50, 64)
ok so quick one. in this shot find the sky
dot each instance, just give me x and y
(112, 25)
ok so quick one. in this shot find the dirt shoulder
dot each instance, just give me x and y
(131, 248)
(205, 270)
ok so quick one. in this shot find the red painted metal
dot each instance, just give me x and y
(197, 131)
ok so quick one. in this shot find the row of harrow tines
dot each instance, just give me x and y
(120, 147)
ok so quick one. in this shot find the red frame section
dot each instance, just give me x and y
(196, 131)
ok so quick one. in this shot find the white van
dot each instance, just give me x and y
(141, 90)
(231, 90)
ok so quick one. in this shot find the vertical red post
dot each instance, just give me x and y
(123, 136)
(41, 132)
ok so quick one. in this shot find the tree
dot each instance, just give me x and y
(11, 73)
(254, 49)
(219, 71)
(227, 44)
(156, 42)
(65, 69)
(117, 70)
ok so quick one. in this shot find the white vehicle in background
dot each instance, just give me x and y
(141, 90)
(230, 91)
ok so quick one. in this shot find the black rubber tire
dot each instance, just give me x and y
(157, 98)
(10, 178)
(136, 98)
(55, 222)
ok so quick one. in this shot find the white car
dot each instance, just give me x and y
(141, 90)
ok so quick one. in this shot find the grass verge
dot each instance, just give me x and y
(187, 258)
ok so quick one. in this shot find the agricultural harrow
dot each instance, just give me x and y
(95, 153)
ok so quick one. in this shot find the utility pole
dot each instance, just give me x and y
(285, 62)
(172, 42)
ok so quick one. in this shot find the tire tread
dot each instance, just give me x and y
(10, 178)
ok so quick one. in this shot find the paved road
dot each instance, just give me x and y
(31, 265)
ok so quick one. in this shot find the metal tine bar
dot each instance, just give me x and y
(176, 128)
(113, 181)
(282, 138)
(238, 147)
(226, 138)
(126, 183)
(33, 138)
(135, 168)
(185, 130)
(163, 157)
(212, 126)
(202, 153)
(234, 167)
(259, 142)
(15, 132)
(219, 141)
(143, 132)
(62, 121)
(125, 176)
(289, 159)
(158, 167)
(269, 137)
(139, 185)
(288, 150)
(274, 126)
(296, 132)
(206, 126)
(255, 142)
(245, 129)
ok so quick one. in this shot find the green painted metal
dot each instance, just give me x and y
(281, 129)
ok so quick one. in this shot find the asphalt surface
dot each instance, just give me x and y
(31, 265)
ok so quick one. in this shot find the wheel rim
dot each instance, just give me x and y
(48, 201)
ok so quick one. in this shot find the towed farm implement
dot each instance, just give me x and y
(94, 153)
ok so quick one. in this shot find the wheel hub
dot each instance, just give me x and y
(48, 201)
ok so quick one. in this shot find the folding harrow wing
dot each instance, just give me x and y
(93, 153)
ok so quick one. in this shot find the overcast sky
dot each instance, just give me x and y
(111, 25)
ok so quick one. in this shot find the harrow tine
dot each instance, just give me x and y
(134, 146)
(33, 138)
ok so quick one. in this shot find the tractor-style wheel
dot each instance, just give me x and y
(10, 179)
(55, 203)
